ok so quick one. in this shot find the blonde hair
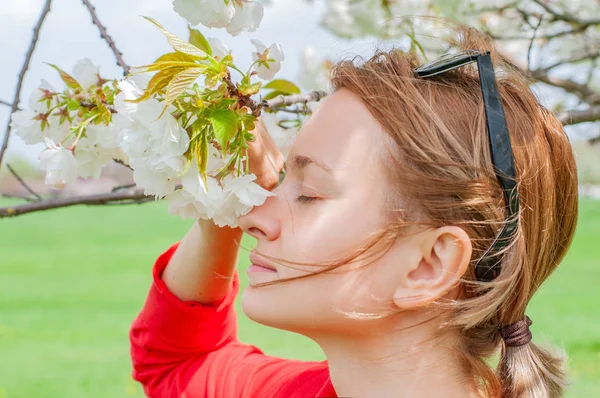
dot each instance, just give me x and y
(440, 166)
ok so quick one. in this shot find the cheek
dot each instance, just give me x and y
(328, 230)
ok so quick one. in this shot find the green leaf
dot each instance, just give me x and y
(178, 43)
(179, 84)
(225, 125)
(198, 40)
(274, 94)
(284, 86)
(68, 79)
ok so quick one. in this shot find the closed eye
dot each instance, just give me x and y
(305, 199)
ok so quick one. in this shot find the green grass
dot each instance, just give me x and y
(72, 280)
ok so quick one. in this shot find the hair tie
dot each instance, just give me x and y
(517, 334)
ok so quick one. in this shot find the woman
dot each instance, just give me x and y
(418, 216)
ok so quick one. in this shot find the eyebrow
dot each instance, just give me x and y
(301, 161)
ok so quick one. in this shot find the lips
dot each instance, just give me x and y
(255, 259)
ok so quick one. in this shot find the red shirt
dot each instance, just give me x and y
(190, 350)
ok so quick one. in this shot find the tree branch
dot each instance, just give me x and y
(127, 197)
(17, 97)
(105, 36)
(584, 92)
(583, 57)
(286, 100)
(574, 117)
(22, 182)
(558, 16)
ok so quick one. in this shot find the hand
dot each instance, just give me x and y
(266, 160)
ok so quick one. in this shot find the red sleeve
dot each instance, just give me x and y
(187, 349)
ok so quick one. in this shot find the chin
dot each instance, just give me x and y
(267, 307)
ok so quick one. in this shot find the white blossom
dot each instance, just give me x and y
(36, 100)
(196, 199)
(26, 125)
(57, 131)
(154, 146)
(59, 164)
(236, 16)
(86, 73)
(218, 48)
(210, 13)
(95, 150)
(157, 183)
(268, 60)
(223, 204)
(247, 18)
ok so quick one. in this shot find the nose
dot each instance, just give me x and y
(262, 222)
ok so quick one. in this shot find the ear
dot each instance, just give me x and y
(445, 257)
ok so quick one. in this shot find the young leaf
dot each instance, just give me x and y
(158, 82)
(202, 153)
(179, 84)
(68, 79)
(198, 39)
(251, 89)
(178, 43)
(284, 86)
(225, 125)
(171, 60)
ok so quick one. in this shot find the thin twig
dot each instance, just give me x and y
(26, 198)
(122, 163)
(106, 37)
(2, 102)
(131, 196)
(22, 182)
(118, 188)
(580, 58)
(558, 16)
(535, 30)
(17, 97)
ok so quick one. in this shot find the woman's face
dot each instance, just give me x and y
(328, 205)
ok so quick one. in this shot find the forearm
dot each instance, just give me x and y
(201, 268)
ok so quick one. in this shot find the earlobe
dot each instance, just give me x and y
(445, 257)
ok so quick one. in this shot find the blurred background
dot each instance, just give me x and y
(73, 279)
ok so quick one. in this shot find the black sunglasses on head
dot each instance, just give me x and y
(488, 268)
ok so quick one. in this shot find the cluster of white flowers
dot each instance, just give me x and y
(149, 138)
(155, 150)
(40, 123)
(221, 203)
(236, 16)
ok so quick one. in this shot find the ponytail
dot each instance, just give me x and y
(526, 370)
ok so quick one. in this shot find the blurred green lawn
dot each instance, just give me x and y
(72, 280)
